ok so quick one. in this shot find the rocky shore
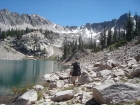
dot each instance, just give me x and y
(107, 78)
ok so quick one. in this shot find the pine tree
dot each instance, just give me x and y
(19, 34)
(8, 32)
(75, 45)
(27, 30)
(109, 37)
(80, 42)
(68, 48)
(124, 32)
(90, 44)
(114, 35)
(101, 41)
(12, 32)
(119, 37)
(104, 38)
(72, 49)
(94, 45)
(65, 48)
(129, 28)
(65, 51)
(3, 35)
(136, 29)
(123, 35)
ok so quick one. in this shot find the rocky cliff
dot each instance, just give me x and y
(9, 20)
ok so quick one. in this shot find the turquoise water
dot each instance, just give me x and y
(17, 73)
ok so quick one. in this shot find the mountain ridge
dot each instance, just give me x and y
(9, 20)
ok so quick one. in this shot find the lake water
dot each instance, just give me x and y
(17, 73)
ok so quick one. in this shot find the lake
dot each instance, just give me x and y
(17, 73)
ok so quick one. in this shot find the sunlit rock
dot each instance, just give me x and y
(63, 95)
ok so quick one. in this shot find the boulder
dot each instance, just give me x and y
(116, 93)
(92, 102)
(67, 85)
(118, 72)
(82, 97)
(103, 67)
(86, 96)
(63, 95)
(38, 87)
(103, 84)
(108, 82)
(85, 78)
(63, 76)
(131, 61)
(104, 73)
(46, 76)
(60, 83)
(137, 58)
(93, 74)
(51, 77)
(28, 97)
(97, 64)
(136, 72)
(112, 63)
(21, 102)
(62, 103)
(52, 92)
(52, 85)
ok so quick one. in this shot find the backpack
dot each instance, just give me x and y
(76, 69)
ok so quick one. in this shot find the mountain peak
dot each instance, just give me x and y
(4, 10)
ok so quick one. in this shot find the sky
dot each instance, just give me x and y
(73, 12)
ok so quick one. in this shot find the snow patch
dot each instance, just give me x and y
(54, 25)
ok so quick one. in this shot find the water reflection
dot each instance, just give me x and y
(18, 73)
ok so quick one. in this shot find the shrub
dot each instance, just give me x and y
(39, 95)
(21, 90)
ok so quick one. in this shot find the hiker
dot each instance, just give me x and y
(75, 72)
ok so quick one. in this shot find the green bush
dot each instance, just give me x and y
(111, 48)
(21, 90)
(121, 43)
(39, 95)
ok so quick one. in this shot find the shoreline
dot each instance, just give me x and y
(8, 98)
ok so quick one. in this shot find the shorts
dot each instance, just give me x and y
(74, 78)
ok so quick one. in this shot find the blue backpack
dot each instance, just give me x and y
(76, 69)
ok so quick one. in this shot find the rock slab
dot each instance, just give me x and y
(116, 93)
(63, 95)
